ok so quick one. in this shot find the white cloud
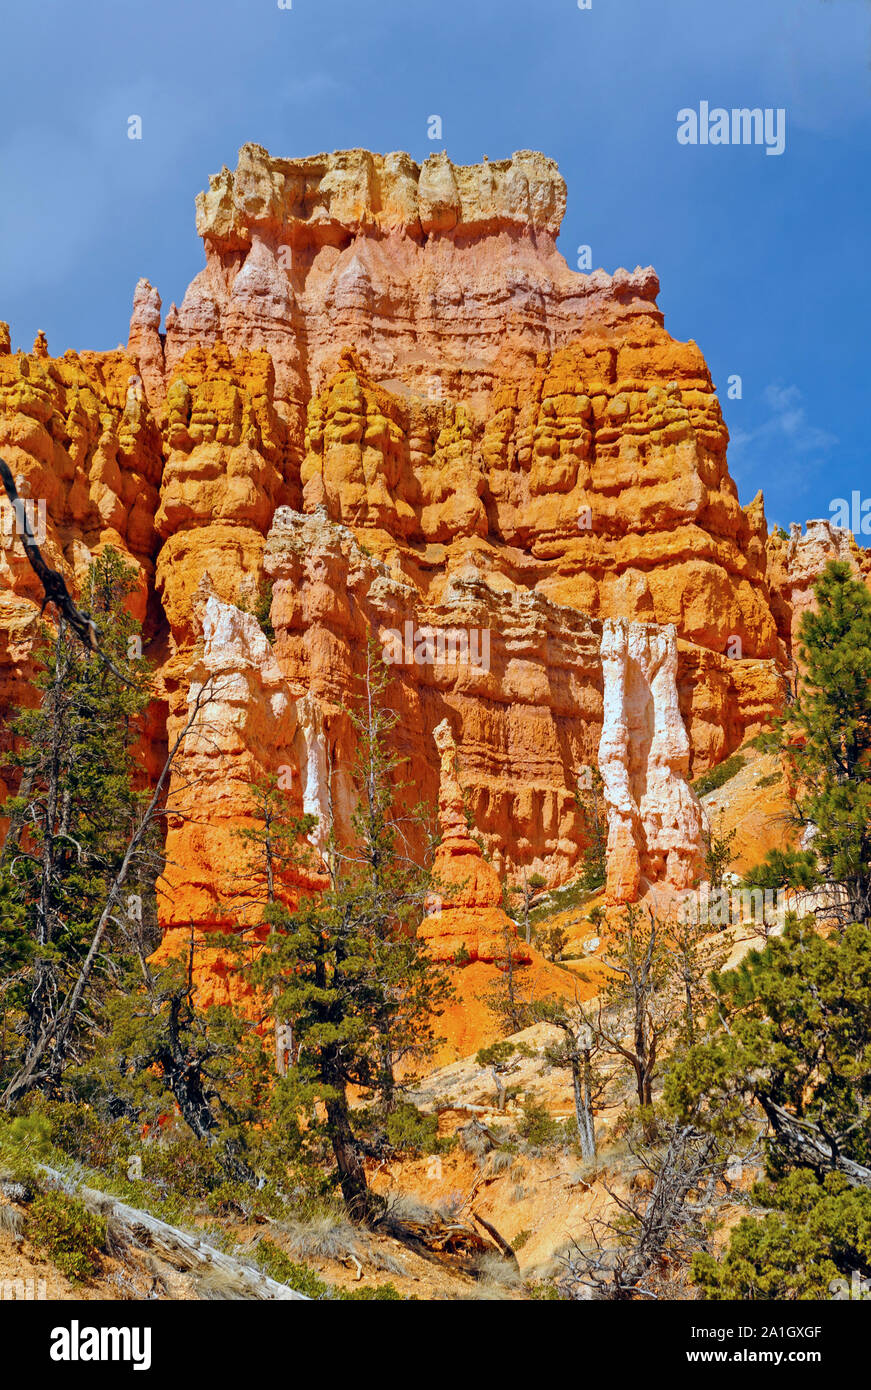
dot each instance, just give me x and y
(786, 434)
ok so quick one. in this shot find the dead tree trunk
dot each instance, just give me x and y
(183, 1251)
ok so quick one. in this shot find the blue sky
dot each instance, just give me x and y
(763, 260)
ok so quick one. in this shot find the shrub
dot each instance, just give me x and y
(542, 1290)
(537, 1127)
(382, 1293)
(69, 1234)
(30, 1133)
(717, 776)
(279, 1266)
(475, 1139)
(79, 1131)
(552, 940)
(496, 1055)
(262, 610)
(184, 1166)
(323, 1235)
(409, 1129)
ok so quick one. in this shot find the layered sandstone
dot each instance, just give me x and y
(86, 456)
(515, 675)
(387, 408)
(244, 728)
(519, 401)
(432, 272)
(77, 434)
(239, 706)
(223, 477)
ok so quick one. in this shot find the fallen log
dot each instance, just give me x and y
(189, 1254)
(449, 1243)
(452, 1243)
(506, 1249)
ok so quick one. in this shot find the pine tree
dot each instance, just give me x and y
(275, 851)
(814, 1242)
(71, 823)
(826, 738)
(636, 1016)
(590, 799)
(783, 868)
(577, 1051)
(789, 1050)
(719, 844)
(511, 997)
(346, 968)
(83, 850)
(161, 1048)
(693, 955)
(523, 894)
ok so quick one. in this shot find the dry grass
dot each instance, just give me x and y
(325, 1237)
(217, 1285)
(498, 1279)
(500, 1161)
(474, 1139)
(12, 1221)
(407, 1206)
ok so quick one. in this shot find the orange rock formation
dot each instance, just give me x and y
(389, 399)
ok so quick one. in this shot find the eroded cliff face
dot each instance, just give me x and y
(516, 675)
(432, 272)
(465, 917)
(86, 454)
(389, 402)
(796, 561)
